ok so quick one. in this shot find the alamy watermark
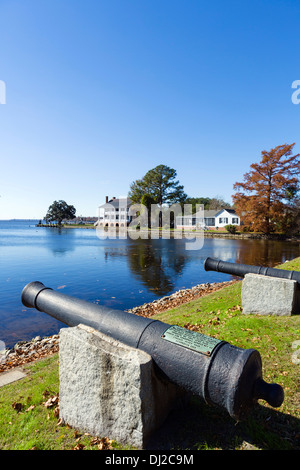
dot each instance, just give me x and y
(138, 221)
(296, 353)
(2, 92)
(2, 352)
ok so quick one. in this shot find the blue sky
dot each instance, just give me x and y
(99, 92)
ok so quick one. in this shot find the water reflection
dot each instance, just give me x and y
(265, 252)
(120, 273)
(162, 264)
(59, 240)
(225, 249)
(156, 264)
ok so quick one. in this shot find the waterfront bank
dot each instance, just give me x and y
(24, 352)
(117, 273)
(197, 426)
(180, 233)
(180, 297)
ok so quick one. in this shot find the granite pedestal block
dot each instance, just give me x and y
(109, 389)
(266, 295)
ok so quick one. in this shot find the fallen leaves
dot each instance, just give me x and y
(78, 446)
(194, 327)
(178, 298)
(31, 407)
(214, 321)
(18, 406)
(51, 402)
(103, 443)
(25, 352)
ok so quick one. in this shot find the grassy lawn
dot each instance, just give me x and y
(219, 315)
(26, 423)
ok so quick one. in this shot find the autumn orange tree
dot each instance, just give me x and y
(265, 200)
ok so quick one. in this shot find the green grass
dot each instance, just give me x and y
(219, 315)
(35, 428)
(25, 422)
(78, 226)
(198, 426)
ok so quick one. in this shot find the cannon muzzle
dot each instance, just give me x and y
(240, 270)
(222, 374)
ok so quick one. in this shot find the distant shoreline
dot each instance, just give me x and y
(66, 225)
(195, 233)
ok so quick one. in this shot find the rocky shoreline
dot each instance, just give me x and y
(27, 351)
(178, 298)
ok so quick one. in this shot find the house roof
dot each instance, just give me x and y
(114, 202)
(231, 211)
(213, 213)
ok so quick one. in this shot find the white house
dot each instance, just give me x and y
(212, 219)
(114, 213)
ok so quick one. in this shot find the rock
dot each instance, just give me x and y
(26, 351)
(178, 298)
(110, 389)
(266, 295)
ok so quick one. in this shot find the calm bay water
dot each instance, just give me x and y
(120, 273)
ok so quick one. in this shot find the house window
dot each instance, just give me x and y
(210, 221)
(235, 220)
(223, 220)
(186, 221)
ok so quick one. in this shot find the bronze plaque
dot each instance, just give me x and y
(191, 339)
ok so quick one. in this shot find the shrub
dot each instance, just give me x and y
(230, 228)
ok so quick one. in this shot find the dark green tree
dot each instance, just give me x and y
(205, 201)
(217, 203)
(59, 211)
(160, 184)
(147, 201)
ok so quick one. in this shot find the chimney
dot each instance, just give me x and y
(106, 199)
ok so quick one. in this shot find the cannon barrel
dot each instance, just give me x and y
(220, 373)
(240, 270)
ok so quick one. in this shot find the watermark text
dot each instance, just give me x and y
(142, 222)
(2, 352)
(2, 92)
(296, 353)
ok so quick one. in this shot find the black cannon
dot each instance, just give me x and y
(220, 373)
(240, 270)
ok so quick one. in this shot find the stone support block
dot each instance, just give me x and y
(109, 389)
(265, 295)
